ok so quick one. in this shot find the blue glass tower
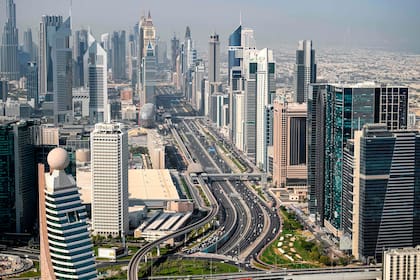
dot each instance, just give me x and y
(334, 113)
(234, 45)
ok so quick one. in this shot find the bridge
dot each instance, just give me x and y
(234, 176)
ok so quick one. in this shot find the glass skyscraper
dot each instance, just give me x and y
(381, 191)
(334, 113)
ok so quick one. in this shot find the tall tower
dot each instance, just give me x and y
(66, 248)
(109, 159)
(381, 172)
(305, 70)
(28, 46)
(80, 45)
(265, 91)
(118, 55)
(17, 177)
(147, 35)
(55, 65)
(174, 52)
(32, 82)
(95, 61)
(289, 141)
(214, 58)
(335, 112)
(9, 64)
(149, 76)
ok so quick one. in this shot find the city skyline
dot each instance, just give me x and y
(369, 25)
(269, 147)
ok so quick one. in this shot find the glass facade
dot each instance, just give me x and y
(7, 180)
(385, 179)
(334, 113)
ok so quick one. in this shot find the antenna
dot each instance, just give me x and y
(240, 17)
(71, 6)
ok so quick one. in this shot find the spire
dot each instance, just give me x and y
(188, 32)
(70, 8)
(148, 15)
(240, 18)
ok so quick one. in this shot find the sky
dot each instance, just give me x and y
(384, 24)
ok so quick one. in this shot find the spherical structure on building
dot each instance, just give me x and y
(58, 159)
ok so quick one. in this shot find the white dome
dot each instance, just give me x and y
(58, 159)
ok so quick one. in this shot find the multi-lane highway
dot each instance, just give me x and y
(257, 223)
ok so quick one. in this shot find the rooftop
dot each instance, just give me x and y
(151, 184)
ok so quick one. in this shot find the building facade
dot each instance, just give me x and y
(95, 61)
(118, 55)
(381, 187)
(401, 264)
(55, 66)
(289, 141)
(334, 113)
(9, 64)
(17, 177)
(109, 163)
(214, 58)
(66, 248)
(305, 70)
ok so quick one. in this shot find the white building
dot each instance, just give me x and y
(95, 61)
(265, 94)
(66, 248)
(109, 165)
(401, 264)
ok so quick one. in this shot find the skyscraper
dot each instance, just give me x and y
(17, 177)
(28, 45)
(234, 47)
(241, 45)
(147, 35)
(95, 61)
(381, 187)
(65, 246)
(109, 159)
(118, 55)
(264, 68)
(214, 58)
(334, 113)
(174, 52)
(55, 65)
(80, 45)
(9, 64)
(305, 70)
(289, 129)
(32, 82)
(4, 89)
(149, 76)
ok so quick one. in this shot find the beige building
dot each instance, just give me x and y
(156, 147)
(401, 264)
(289, 142)
(151, 187)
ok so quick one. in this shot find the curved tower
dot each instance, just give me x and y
(66, 248)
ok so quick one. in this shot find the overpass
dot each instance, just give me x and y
(234, 176)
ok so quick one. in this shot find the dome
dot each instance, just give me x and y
(58, 159)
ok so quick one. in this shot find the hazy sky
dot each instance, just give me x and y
(390, 24)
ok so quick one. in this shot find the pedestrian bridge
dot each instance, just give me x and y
(234, 176)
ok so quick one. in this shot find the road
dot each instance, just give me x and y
(249, 236)
(364, 273)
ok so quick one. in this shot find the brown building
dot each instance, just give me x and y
(289, 141)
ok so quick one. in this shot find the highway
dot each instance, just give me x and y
(259, 223)
(360, 273)
(133, 265)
